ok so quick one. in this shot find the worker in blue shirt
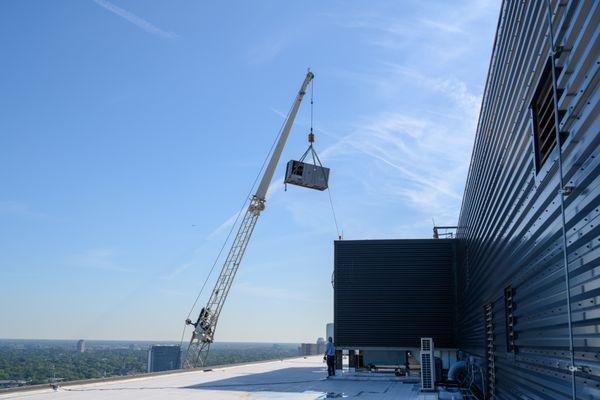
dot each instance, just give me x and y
(330, 356)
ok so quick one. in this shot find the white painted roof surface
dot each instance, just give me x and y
(299, 378)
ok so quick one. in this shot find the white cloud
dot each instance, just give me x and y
(400, 156)
(442, 25)
(454, 89)
(420, 159)
(134, 19)
(225, 226)
(179, 270)
(276, 111)
(441, 30)
(217, 233)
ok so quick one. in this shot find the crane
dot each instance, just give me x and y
(206, 324)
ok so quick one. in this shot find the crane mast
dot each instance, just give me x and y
(206, 324)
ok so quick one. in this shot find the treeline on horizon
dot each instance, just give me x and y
(44, 365)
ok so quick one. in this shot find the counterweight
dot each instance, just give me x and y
(206, 324)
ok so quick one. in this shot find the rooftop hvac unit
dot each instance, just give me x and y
(308, 175)
(427, 365)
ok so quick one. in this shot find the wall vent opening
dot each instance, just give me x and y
(544, 122)
(509, 308)
(490, 350)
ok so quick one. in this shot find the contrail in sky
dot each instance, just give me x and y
(134, 19)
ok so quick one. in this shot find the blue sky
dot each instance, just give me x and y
(131, 131)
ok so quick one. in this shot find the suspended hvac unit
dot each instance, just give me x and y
(300, 173)
(427, 365)
(308, 175)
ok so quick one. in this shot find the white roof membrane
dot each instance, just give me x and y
(299, 378)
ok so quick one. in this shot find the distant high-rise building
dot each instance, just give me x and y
(308, 349)
(321, 345)
(164, 358)
(329, 331)
(81, 346)
(312, 349)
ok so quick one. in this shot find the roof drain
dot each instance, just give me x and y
(562, 193)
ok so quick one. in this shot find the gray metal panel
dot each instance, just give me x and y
(390, 293)
(510, 221)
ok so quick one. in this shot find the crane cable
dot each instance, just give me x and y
(248, 197)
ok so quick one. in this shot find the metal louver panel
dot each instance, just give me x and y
(427, 365)
(510, 221)
(390, 293)
(490, 350)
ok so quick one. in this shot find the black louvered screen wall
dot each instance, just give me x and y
(390, 293)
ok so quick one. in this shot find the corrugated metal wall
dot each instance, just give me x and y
(510, 222)
(390, 293)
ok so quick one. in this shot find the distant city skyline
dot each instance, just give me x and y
(131, 133)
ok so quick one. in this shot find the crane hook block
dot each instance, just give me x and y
(307, 175)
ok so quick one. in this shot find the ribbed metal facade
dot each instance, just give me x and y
(510, 225)
(390, 293)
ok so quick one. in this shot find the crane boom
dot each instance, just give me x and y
(206, 324)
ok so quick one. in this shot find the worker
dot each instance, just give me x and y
(330, 356)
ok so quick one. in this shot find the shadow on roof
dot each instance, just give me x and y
(293, 379)
(297, 380)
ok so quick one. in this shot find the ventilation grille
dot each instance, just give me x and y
(427, 365)
(490, 351)
(544, 122)
(509, 308)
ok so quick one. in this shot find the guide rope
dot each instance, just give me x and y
(337, 229)
(311, 139)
